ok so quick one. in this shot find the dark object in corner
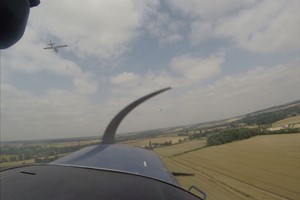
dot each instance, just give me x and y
(13, 20)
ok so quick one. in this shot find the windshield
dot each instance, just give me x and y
(80, 62)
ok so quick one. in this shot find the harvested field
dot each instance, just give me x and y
(263, 167)
(291, 120)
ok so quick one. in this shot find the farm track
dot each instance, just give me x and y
(263, 167)
(210, 174)
(223, 192)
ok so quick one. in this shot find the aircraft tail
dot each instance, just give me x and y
(50, 43)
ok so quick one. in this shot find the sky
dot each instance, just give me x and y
(221, 58)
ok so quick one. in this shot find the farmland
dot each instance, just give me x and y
(263, 167)
(159, 140)
(18, 153)
(259, 157)
(288, 121)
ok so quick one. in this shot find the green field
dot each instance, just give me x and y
(263, 167)
(16, 163)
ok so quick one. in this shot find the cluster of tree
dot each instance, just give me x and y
(157, 144)
(182, 134)
(227, 136)
(270, 117)
(232, 135)
(36, 151)
(198, 135)
(204, 133)
(167, 143)
(183, 140)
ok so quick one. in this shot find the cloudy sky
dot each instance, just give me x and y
(222, 59)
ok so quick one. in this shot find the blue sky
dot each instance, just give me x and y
(222, 59)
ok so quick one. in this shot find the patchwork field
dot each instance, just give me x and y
(77, 143)
(145, 142)
(263, 167)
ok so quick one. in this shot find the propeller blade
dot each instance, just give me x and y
(110, 132)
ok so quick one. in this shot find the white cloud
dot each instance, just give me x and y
(208, 9)
(268, 26)
(197, 69)
(93, 28)
(230, 96)
(85, 86)
(55, 114)
(241, 93)
(165, 28)
(29, 57)
(183, 71)
(126, 79)
(201, 30)
(61, 113)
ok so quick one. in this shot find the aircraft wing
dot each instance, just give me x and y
(48, 48)
(60, 46)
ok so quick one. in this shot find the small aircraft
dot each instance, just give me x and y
(55, 47)
(106, 171)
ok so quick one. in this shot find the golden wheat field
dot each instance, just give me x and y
(263, 167)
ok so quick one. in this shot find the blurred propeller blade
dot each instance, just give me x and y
(110, 132)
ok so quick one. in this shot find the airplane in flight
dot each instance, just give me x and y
(105, 171)
(55, 47)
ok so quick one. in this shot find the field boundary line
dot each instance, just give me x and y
(188, 151)
(244, 182)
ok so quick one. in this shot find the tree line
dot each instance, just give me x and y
(41, 153)
(231, 135)
(270, 117)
